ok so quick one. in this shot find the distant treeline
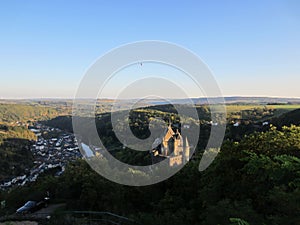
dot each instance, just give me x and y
(12, 113)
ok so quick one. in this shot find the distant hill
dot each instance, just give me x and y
(241, 100)
(61, 122)
(262, 100)
(149, 102)
(228, 100)
(20, 112)
(287, 119)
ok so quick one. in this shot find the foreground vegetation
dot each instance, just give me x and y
(258, 183)
(255, 177)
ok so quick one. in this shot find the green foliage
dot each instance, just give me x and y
(274, 142)
(256, 179)
(15, 155)
(288, 119)
(238, 221)
(12, 113)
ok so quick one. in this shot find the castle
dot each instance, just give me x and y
(171, 147)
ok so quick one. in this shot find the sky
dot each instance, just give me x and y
(251, 47)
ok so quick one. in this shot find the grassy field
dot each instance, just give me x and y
(278, 109)
(237, 108)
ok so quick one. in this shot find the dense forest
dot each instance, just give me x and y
(258, 183)
(15, 155)
(13, 113)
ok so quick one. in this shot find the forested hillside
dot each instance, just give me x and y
(13, 113)
(15, 155)
(257, 183)
(287, 119)
(254, 178)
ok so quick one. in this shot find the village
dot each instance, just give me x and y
(53, 148)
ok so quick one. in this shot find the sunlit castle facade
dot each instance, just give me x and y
(172, 147)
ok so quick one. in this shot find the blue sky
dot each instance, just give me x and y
(252, 47)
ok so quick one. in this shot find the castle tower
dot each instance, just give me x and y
(186, 150)
(178, 143)
(165, 146)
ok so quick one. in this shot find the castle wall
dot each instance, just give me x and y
(175, 160)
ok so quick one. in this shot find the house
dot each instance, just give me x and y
(213, 123)
(236, 124)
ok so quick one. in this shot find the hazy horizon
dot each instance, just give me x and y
(199, 97)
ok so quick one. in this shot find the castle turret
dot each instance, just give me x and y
(178, 143)
(187, 150)
(169, 134)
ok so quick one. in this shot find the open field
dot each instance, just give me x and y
(278, 109)
(237, 108)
